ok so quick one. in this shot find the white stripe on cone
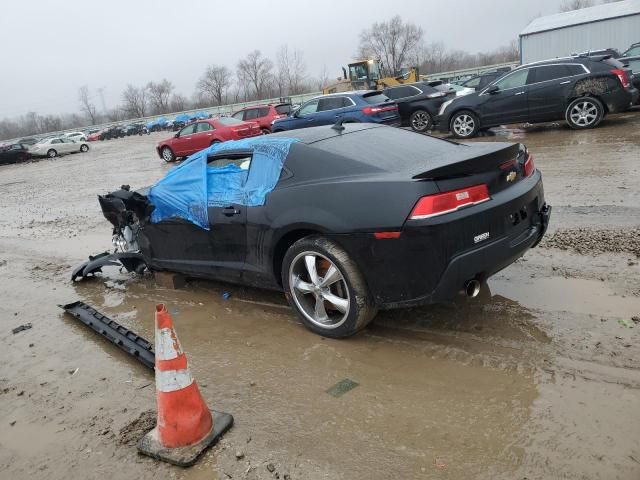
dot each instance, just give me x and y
(167, 345)
(172, 380)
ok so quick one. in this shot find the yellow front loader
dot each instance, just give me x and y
(365, 75)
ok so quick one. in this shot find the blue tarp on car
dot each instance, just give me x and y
(188, 189)
(183, 117)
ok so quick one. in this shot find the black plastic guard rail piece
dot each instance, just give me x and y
(120, 336)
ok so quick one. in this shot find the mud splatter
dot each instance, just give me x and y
(135, 430)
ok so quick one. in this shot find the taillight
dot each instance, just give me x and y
(622, 76)
(441, 203)
(529, 167)
(376, 110)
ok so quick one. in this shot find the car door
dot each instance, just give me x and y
(182, 144)
(306, 116)
(549, 87)
(69, 145)
(330, 109)
(203, 136)
(508, 102)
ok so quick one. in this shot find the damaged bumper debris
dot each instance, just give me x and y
(123, 209)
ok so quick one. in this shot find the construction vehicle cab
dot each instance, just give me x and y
(366, 75)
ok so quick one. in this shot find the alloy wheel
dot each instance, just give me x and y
(420, 121)
(463, 125)
(167, 156)
(584, 113)
(319, 290)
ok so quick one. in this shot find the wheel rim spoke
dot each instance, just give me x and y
(321, 312)
(303, 286)
(331, 277)
(342, 304)
(310, 262)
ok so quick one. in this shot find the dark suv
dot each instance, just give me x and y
(580, 90)
(418, 104)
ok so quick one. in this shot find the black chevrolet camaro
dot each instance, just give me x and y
(363, 217)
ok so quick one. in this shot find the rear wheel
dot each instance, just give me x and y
(464, 124)
(584, 112)
(51, 153)
(84, 148)
(265, 131)
(167, 155)
(421, 121)
(325, 288)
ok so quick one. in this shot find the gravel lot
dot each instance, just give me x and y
(538, 378)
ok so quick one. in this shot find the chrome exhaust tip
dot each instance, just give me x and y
(472, 288)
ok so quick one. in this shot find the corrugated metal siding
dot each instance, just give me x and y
(612, 33)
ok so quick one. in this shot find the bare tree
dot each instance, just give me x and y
(322, 80)
(214, 83)
(392, 42)
(85, 104)
(159, 94)
(255, 70)
(569, 5)
(134, 101)
(178, 103)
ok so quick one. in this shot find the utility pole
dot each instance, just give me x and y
(101, 93)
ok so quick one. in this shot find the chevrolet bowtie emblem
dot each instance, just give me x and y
(511, 176)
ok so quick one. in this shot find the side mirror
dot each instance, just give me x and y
(295, 113)
(493, 89)
(176, 135)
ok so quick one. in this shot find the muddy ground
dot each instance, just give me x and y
(538, 378)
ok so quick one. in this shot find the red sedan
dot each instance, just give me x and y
(204, 133)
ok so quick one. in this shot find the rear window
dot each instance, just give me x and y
(375, 97)
(283, 109)
(229, 121)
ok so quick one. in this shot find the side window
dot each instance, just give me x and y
(263, 112)
(575, 69)
(251, 114)
(238, 115)
(347, 102)
(203, 127)
(513, 80)
(309, 107)
(329, 103)
(283, 109)
(634, 65)
(549, 72)
(472, 83)
(241, 161)
(188, 130)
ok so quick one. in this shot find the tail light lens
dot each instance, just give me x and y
(622, 76)
(441, 203)
(529, 167)
(376, 110)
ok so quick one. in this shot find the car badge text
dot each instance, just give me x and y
(511, 176)
(481, 237)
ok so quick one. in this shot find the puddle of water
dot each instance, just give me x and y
(590, 297)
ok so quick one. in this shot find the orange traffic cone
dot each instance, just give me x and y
(186, 426)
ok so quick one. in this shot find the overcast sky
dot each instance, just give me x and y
(50, 49)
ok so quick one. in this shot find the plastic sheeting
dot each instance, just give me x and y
(190, 188)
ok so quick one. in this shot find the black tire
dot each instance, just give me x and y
(361, 307)
(84, 148)
(215, 142)
(167, 155)
(265, 131)
(584, 112)
(421, 121)
(464, 124)
(51, 153)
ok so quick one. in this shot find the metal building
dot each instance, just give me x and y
(610, 25)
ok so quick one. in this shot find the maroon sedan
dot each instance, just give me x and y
(202, 134)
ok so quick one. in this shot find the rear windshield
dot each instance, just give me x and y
(283, 109)
(375, 97)
(229, 121)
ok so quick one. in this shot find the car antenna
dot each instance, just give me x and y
(338, 125)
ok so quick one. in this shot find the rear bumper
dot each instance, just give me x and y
(433, 259)
(620, 99)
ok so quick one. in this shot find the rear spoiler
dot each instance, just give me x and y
(472, 163)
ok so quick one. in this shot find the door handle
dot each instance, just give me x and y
(230, 211)
(209, 134)
(564, 83)
(519, 93)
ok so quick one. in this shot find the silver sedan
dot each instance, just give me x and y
(54, 146)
